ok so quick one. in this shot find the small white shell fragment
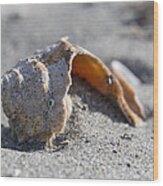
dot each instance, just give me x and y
(110, 80)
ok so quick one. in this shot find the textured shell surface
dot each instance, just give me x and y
(35, 92)
(33, 95)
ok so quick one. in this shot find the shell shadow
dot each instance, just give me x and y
(97, 102)
(9, 142)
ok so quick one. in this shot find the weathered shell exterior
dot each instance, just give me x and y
(34, 94)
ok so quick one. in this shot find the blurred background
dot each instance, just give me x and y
(121, 31)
